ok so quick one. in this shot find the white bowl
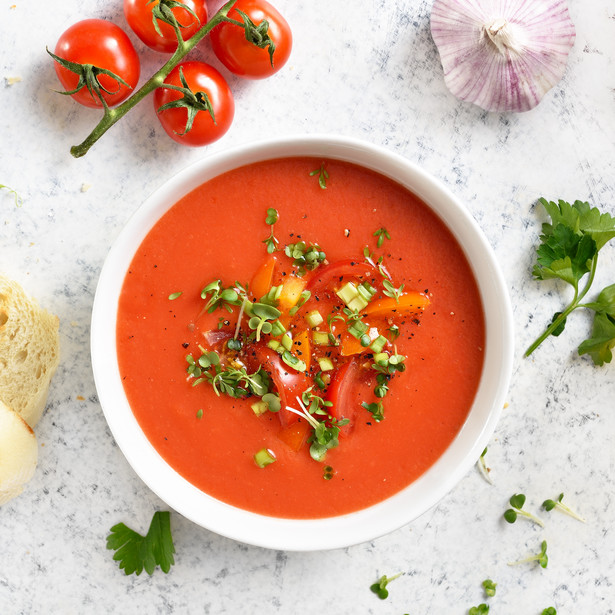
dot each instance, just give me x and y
(333, 532)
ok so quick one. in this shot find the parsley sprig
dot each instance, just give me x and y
(569, 249)
(137, 553)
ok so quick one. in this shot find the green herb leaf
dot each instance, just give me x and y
(136, 553)
(602, 341)
(390, 290)
(569, 251)
(380, 586)
(481, 609)
(323, 176)
(382, 234)
(550, 610)
(376, 409)
(18, 199)
(541, 557)
(271, 242)
(489, 587)
(174, 296)
(516, 502)
(549, 505)
(305, 257)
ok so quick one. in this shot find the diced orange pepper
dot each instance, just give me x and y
(261, 281)
(408, 302)
(350, 345)
(302, 349)
(291, 291)
(295, 435)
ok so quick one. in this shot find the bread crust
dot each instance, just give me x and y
(29, 351)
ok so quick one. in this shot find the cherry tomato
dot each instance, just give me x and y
(139, 17)
(200, 77)
(242, 57)
(105, 45)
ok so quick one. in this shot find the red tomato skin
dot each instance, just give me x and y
(139, 17)
(240, 56)
(103, 44)
(204, 78)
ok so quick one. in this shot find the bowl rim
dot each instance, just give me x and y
(331, 532)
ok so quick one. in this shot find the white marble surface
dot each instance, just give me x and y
(368, 70)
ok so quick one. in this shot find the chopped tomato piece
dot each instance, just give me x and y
(289, 383)
(408, 302)
(261, 281)
(342, 393)
(323, 276)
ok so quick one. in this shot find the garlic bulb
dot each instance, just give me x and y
(502, 55)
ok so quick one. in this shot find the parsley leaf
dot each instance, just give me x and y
(569, 251)
(602, 341)
(136, 552)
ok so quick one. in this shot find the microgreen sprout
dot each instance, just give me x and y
(324, 437)
(380, 586)
(382, 234)
(261, 315)
(305, 257)
(323, 176)
(331, 318)
(481, 609)
(376, 409)
(540, 557)
(550, 610)
(328, 472)
(223, 298)
(549, 505)
(482, 467)
(271, 242)
(393, 332)
(199, 414)
(174, 296)
(489, 587)
(390, 290)
(516, 502)
(18, 199)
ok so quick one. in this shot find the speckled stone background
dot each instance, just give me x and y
(368, 70)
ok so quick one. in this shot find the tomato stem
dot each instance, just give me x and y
(111, 116)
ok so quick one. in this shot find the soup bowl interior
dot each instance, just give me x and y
(337, 531)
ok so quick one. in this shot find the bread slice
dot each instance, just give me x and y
(18, 453)
(29, 351)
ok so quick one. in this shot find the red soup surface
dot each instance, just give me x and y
(217, 232)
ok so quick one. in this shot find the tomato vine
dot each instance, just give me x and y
(112, 115)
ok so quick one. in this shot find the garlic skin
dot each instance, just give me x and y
(502, 55)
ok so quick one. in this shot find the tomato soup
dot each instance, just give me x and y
(218, 232)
